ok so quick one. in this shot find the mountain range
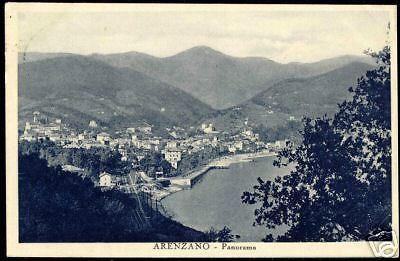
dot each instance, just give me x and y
(218, 79)
(191, 86)
(292, 99)
(80, 89)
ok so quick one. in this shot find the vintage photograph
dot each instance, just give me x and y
(171, 124)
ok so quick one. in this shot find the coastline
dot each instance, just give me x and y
(222, 162)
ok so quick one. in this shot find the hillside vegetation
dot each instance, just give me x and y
(312, 96)
(120, 90)
(58, 206)
(221, 80)
(79, 89)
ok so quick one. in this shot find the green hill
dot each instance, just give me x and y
(221, 80)
(312, 96)
(58, 206)
(79, 89)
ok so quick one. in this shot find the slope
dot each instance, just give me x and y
(218, 79)
(292, 99)
(80, 88)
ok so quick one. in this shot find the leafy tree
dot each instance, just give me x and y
(59, 206)
(94, 160)
(340, 185)
(198, 158)
(289, 130)
(155, 162)
(223, 235)
(262, 132)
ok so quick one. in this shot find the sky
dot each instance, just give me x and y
(303, 34)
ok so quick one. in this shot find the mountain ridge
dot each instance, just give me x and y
(294, 98)
(221, 80)
(176, 89)
(103, 92)
(196, 48)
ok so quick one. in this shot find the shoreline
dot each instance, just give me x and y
(222, 162)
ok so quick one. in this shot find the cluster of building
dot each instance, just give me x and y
(135, 142)
(41, 128)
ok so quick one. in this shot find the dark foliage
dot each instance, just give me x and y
(94, 160)
(154, 162)
(198, 158)
(287, 131)
(340, 187)
(223, 235)
(79, 88)
(58, 206)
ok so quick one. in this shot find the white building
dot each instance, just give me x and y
(106, 180)
(236, 146)
(144, 144)
(36, 116)
(134, 138)
(280, 143)
(239, 145)
(52, 127)
(145, 129)
(232, 148)
(173, 156)
(172, 144)
(55, 137)
(214, 141)
(140, 156)
(123, 142)
(27, 126)
(131, 130)
(248, 132)
(103, 138)
(208, 128)
(174, 134)
(32, 126)
(123, 152)
(73, 169)
(92, 124)
(28, 136)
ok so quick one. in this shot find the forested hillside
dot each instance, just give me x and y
(78, 89)
(58, 206)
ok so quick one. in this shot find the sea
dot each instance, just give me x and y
(215, 200)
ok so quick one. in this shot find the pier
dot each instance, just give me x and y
(189, 179)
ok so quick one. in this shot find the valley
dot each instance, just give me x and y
(196, 85)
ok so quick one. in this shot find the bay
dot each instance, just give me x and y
(215, 200)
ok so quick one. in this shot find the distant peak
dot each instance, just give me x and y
(200, 49)
(130, 53)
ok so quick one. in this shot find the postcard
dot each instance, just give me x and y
(184, 130)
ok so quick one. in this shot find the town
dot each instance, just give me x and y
(182, 156)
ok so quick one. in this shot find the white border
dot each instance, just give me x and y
(349, 249)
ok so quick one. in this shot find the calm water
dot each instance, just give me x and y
(215, 200)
